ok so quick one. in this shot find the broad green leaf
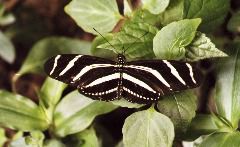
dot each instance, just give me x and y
(135, 38)
(202, 124)
(48, 47)
(3, 137)
(102, 15)
(180, 108)
(87, 138)
(174, 12)
(7, 50)
(76, 112)
(202, 48)
(20, 113)
(155, 6)
(53, 143)
(234, 23)
(127, 8)
(211, 12)
(102, 52)
(50, 94)
(124, 103)
(228, 88)
(171, 40)
(222, 140)
(148, 128)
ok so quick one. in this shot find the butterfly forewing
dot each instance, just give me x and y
(91, 75)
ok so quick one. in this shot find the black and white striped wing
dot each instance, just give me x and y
(146, 81)
(94, 77)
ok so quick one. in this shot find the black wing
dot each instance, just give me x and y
(155, 78)
(94, 77)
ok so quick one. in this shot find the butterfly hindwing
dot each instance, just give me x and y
(93, 76)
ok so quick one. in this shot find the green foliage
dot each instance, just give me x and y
(228, 89)
(7, 51)
(171, 40)
(162, 29)
(102, 15)
(80, 116)
(49, 47)
(180, 108)
(148, 128)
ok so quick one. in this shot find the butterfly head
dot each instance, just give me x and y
(121, 59)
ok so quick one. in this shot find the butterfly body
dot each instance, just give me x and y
(142, 81)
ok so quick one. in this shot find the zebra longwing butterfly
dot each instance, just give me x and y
(142, 81)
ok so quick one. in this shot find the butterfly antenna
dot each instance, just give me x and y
(105, 39)
(135, 41)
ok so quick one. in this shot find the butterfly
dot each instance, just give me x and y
(141, 81)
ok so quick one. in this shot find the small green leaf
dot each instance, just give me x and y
(20, 113)
(50, 94)
(202, 48)
(135, 38)
(7, 50)
(88, 138)
(48, 47)
(3, 137)
(143, 15)
(211, 12)
(228, 88)
(80, 116)
(180, 108)
(222, 140)
(202, 124)
(148, 128)
(102, 15)
(171, 40)
(5, 19)
(155, 6)
(234, 23)
(174, 12)
(124, 103)
(127, 8)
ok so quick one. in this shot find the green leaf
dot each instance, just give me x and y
(202, 124)
(202, 48)
(222, 140)
(127, 8)
(155, 6)
(102, 52)
(88, 138)
(7, 51)
(234, 23)
(3, 137)
(211, 12)
(80, 116)
(171, 40)
(49, 47)
(20, 113)
(50, 94)
(35, 139)
(53, 143)
(174, 12)
(228, 88)
(148, 128)
(180, 108)
(5, 19)
(102, 15)
(124, 103)
(135, 38)
(143, 15)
